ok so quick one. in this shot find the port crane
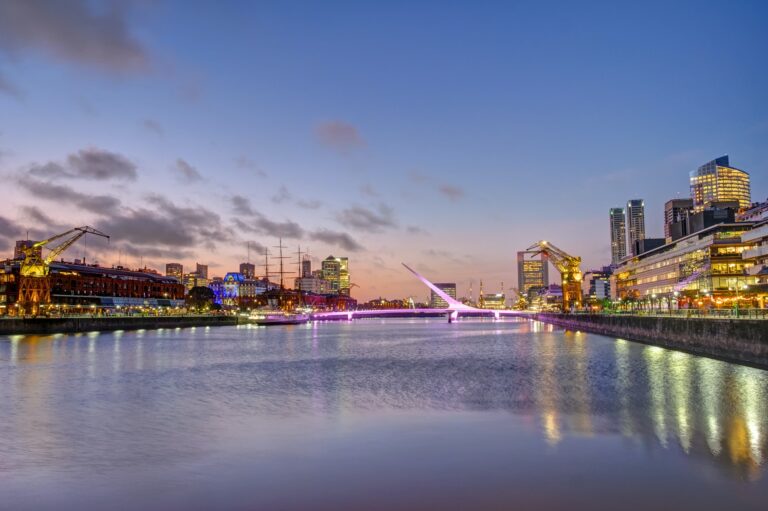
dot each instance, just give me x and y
(570, 272)
(34, 284)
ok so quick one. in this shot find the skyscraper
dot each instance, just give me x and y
(306, 266)
(531, 273)
(174, 270)
(435, 301)
(675, 210)
(618, 235)
(717, 181)
(336, 271)
(635, 223)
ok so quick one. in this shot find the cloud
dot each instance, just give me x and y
(9, 229)
(340, 239)
(263, 225)
(245, 163)
(242, 206)
(412, 229)
(369, 190)
(452, 192)
(6, 87)
(75, 32)
(186, 172)
(361, 218)
(309, 204)
(92, 163)
(99, 204)
(282, 195)
(167, 225)
(101, 165)
(39, 218)
(153, 126)
(339, 135)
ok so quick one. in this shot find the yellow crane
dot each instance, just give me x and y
(34, 284)
(570, 272)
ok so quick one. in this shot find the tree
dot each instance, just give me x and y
(200, 298)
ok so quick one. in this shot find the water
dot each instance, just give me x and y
(375, 415)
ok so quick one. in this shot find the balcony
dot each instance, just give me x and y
(756, 269)
(755, 252)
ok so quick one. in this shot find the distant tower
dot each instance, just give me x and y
(675, 211)
(618, 235)
(248, 270)
(481, 300)
(306, 266)
(635, 223)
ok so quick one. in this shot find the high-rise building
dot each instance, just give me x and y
(336, 272)
(202, 271)
(531, 273)
(718, 181)
(675, 210)
(618, 235)
(635, 223)
(248, 270)
(174, 270)
(435, 301)
(306, 266)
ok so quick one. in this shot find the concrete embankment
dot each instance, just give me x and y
(736, 340)
(23, 326)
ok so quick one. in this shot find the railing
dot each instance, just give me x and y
(740, 313)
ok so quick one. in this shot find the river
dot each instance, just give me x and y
(374, 415)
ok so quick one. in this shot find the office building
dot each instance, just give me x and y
(175, 270)
(635, 223)
(531, 273)
(336, 272)
(705, 263)
(248, 270)
(316, 285)
(675, 210)
(718, 181)
(618, 235)
(756, 260)
(435, 301)
(596, 285)
(202, 271)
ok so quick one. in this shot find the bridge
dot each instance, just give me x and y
(454, 310)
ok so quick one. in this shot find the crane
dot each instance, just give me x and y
(34, 284)
(569, 268)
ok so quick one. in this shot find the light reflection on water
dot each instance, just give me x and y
(215, 406)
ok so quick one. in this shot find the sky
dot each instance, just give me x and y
(446, 135)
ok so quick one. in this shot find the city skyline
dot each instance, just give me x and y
(304, 125)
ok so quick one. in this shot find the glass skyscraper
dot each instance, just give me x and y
(618, 235)
(717, 181)
(635, 223)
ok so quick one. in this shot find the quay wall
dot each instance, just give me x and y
(23, 326)
(735, 340)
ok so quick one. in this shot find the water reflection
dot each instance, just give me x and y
(182, 389)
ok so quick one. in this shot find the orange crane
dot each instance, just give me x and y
(34, 284)
(570, 272)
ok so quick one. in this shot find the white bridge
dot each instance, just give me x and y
(454, 310)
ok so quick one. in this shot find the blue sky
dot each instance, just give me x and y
(444, 134)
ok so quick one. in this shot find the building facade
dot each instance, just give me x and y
(756, 260)
(248, 270)
(618, 235)
(435, 301)
(704, 265)
(635, 224)
(336, 272)
(718, 181)
(531, 273)
(175, 270)
(675, 210)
